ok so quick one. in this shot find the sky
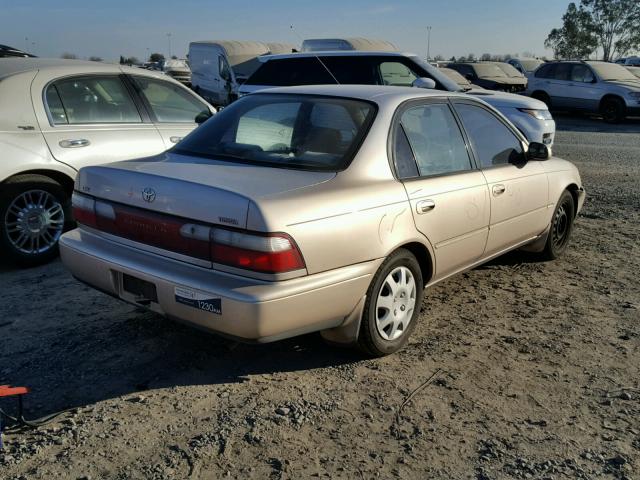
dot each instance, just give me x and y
(111, 28)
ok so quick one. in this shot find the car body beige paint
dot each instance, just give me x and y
(345, 225)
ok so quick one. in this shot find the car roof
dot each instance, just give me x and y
(12, 66)
(335, 53)
(363, 92)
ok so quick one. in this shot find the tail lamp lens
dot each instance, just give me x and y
(271, 253)
(265, 253)
(84, 209)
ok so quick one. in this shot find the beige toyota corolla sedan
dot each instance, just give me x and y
(322, 208)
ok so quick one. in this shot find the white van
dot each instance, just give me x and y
(218, 67)
(355, 43)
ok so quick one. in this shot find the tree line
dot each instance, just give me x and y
(610, 26)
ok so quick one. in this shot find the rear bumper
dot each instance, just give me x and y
(250, 310)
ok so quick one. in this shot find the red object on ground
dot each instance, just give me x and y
(8, 391)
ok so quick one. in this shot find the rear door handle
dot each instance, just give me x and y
(175, 139)
(424, 206)
(498, 189)
(74, 143)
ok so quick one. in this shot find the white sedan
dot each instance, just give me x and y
(60, 115)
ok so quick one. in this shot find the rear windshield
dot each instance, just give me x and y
(611, 71)
(304, 132)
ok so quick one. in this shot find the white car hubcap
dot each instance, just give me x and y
(396, 303)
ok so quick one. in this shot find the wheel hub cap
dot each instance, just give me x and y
(34, 221)
(396, 303)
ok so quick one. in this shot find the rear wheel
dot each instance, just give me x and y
(392, 306)
(613, 110)
(33, 213)
(561, 227)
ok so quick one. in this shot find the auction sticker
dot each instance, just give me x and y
(201, 301)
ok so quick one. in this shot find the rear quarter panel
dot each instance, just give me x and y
(337, 224)
(561, 175)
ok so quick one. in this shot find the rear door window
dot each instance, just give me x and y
(435, 139)
(169, 103)
(89, 100)
(546, 71)
(563, 72)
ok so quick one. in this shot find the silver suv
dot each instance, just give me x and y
(596, 87)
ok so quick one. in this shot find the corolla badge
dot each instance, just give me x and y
(148, 195)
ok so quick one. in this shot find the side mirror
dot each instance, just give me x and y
(538, 151)
(468, 76)
(424, 82)
(203, 116)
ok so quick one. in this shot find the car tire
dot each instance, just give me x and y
(613, 110)
(393, 304)
(560, 228)
(34, 211)
(543, 97)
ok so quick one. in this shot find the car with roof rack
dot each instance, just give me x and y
(60, 115)
(602, 88)
(392, 69)
(319, 208)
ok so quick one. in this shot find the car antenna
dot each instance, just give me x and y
(317, 57)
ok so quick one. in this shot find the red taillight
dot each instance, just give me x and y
(83, 209)
(155, 229)
(264, 253)
(270, 253)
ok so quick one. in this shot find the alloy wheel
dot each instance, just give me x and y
(34, 221)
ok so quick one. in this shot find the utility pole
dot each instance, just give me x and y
(428, 43)
(169, 38)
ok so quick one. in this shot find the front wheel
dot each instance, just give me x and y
(33, 213)
(613, 110)
(561, 227)
(392, 306)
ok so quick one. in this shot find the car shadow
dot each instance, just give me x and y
(80, 361)
(572, 122)
(512, 259)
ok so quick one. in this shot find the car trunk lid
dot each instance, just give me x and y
(210, 191)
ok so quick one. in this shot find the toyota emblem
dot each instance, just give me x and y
(148, 195)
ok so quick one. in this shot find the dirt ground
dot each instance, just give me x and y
(536, 370)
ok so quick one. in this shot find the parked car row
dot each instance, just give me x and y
(532, 117)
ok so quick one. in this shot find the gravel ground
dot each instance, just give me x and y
(534, 368)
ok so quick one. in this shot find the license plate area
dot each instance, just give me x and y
(143, 292)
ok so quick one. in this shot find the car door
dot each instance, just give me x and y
(449, 197)
(560, 86)
(92, 119)
(585, 92)
(173, 108)
(518, 188)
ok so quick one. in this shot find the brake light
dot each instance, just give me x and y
(258, 252)
(266, 253)
(83, 208)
